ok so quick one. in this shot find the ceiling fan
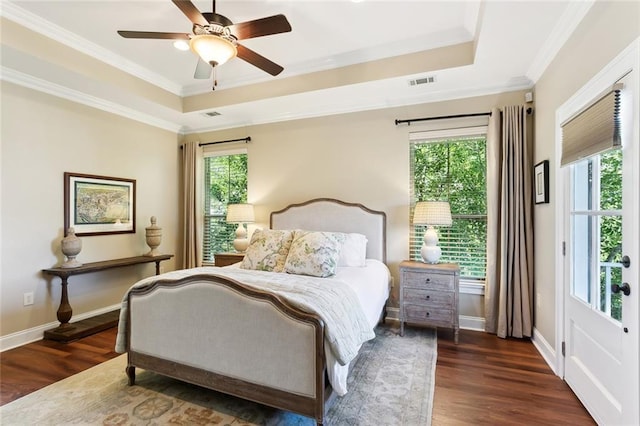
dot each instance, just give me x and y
(215, 38)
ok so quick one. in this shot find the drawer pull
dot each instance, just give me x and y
(428, 297)
(427, 313)
(428, 280)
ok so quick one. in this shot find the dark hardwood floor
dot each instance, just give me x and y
(482, 380)
(30, 367)
(485, 380)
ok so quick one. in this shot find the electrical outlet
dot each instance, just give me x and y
(28, 299)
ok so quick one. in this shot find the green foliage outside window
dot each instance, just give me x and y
(611, 227)
(454, 170)
(225, 179)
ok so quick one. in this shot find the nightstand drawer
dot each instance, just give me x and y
(421, 296)
(426, 314)
(428, 281)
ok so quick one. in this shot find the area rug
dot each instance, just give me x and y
(391, 383)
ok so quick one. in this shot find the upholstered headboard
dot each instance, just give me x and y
(327, 214)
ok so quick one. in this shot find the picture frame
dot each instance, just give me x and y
(541, 182)
(99, 205)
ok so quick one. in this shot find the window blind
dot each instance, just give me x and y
(225, 178)
(594, 129)
(450, 165)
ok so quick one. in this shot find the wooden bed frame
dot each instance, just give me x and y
(273, 353)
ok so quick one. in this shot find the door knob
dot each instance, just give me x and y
(624, 288)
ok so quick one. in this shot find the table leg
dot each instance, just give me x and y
(64, 310)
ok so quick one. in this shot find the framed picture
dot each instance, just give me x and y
(541, 179)
(99, 205)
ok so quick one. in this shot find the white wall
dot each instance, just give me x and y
(608, 28)
(43, 137)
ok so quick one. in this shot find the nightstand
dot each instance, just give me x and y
(429, 295)
(225, 259)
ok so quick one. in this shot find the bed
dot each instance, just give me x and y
(253, 333)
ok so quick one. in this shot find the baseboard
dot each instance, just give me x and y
(545, 349)
(466, 322)
(34, 334)
(472, 323)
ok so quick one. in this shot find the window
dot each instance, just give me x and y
(225, 182)
(452, 167)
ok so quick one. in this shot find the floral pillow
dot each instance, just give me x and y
(267, 250)
(314, 253)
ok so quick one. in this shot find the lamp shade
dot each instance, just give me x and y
(240, 213)
(432, 213)
(213, 49)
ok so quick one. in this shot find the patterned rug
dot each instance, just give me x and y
(391, 384)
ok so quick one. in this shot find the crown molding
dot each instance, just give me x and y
(35, 23)
(566, 25)
(25, 80)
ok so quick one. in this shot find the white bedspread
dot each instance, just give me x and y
(346, 325)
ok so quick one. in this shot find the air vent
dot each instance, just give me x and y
(211, 114)
(423, 80)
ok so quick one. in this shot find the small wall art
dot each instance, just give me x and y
(541, 182)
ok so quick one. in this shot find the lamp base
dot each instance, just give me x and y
(430, 254)
(241, 242)
(430, 251)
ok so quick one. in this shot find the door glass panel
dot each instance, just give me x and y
(596, 244)
(611, 232)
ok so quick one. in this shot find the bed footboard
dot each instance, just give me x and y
(215, 332)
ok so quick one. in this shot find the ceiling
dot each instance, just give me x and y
(340, 56)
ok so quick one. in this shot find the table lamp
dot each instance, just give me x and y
(431, 213)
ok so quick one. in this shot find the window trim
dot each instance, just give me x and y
(209, 153)
(477, 126)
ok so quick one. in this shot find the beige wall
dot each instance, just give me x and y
(359, 157)
(43, 137)
(608, 28)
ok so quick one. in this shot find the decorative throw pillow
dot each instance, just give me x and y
(353, 251)
(314, 253)
(267, 250)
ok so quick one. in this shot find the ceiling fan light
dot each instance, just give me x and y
(213, 49)
(181, 45)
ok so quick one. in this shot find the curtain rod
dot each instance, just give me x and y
(409, 121)
(245, 140)
(443, 117)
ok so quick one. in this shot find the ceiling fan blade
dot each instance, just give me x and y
(260, 27)
(258, 60)
(191, 11)
(203, 70)
(151, 34)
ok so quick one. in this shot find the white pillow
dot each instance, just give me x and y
(314, 253)
(354, 250)
(267, 250)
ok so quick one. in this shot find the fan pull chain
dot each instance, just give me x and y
(215, 78)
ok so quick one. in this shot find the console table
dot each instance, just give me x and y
(66, 331)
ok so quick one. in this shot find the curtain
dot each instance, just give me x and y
(191, 249)
(509, 279)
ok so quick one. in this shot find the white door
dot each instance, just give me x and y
(602, 264)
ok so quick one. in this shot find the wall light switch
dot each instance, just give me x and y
(28, 299)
